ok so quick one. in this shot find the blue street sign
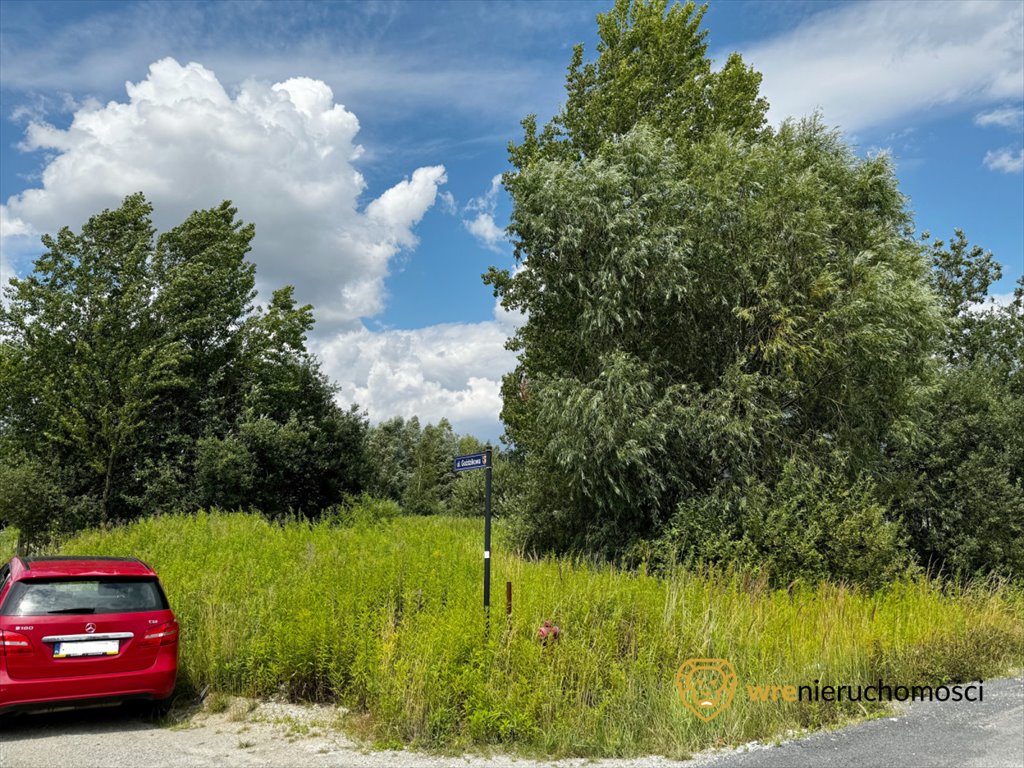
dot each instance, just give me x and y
(472, 461)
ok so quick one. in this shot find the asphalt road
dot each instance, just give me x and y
(930, 734)
(988, 734)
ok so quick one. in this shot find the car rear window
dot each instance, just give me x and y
(43, 597)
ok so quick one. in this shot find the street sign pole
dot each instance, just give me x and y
(487, 533)
(482, 461)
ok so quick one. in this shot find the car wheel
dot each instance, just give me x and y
(148, 709)
(160, 707)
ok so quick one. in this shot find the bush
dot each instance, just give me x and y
(813, 525)
(960, 491)
(299, 466)
(34, 499)
(362, 510)
(468, 492)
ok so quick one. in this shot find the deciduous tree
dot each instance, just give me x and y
(138, 377)
(706, 298)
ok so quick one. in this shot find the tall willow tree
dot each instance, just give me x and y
(711, 305)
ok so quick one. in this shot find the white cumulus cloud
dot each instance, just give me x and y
(482, 226)
(451, 370)
(867, 64)
(1006, 160)
(284, 153)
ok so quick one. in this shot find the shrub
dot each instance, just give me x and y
(362, 510)
(35, 500)
(812, 525)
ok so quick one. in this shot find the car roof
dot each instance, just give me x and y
(57, 566)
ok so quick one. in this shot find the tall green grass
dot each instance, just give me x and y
(8, 543)
(387, 619)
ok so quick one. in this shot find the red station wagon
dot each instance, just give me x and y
(80, 631)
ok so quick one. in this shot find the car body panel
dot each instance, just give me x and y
(131, 665)
(57, 566)
(43, 663)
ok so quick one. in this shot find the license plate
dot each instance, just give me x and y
(86, 648)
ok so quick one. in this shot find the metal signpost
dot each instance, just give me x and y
(482, 461)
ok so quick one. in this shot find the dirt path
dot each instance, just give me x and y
(245, 734)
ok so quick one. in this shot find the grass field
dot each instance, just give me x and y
(387, 620)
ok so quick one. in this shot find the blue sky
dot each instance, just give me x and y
(363, 140)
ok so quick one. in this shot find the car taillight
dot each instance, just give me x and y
(163, 635)
(14, 643)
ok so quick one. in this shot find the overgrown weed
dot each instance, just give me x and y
(387, 620)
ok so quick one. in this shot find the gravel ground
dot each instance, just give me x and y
(246, 733)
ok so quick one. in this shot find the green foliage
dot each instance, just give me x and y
(413, 466)
(362, 510)
(431, 479)
(652, 68)
(84, 357)
(390, 453)
(385, 619)
(29, 499)
(961, 276)
(697, 315)
(960, 486)
(813, 524)
(962, 489)
(8, 542)
(735, 350)
(139, 379)
(301, 465)
(468, 492)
